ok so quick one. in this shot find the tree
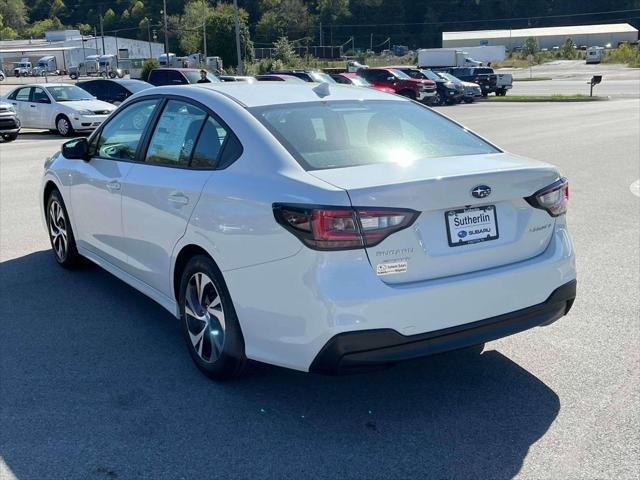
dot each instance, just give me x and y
(568, 49)
(109, 18)
(14, 14)
(290, 18)
(37, 29)
(137, 9)
(333, 10)
(6, 33)
(530, 47)
(147, 66)
(284, 51)
(221, 34)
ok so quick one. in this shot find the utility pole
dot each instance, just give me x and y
(95, 37)
(117, 51)
(104, 52)
(149, 37)
(321, 34)
(371, 42)
(204, 30)
(166, 38)
(237, 16)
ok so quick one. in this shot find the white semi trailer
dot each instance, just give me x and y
(445, 57)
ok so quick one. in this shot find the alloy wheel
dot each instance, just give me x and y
(63, 126)
(58, 230)
(204, 316)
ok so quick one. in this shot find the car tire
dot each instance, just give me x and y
(73, 76)
(61, 235)
(63, 126)
(10, 137)
(112, 75)
(209, 322)
(468, 100)
(436, 99)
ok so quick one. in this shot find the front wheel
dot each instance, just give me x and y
(10, 137)
(63, 126)
(61, 236)
(209, 322)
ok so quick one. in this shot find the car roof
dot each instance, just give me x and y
(180, 69)
(261, 94)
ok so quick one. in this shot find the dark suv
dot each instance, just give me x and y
(446, 91)
(113, 91)
(483, 76)
(177, 76)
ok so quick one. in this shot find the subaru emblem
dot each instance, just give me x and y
(481, 191)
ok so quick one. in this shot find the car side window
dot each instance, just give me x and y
(175, 78)
(209, 145)
(38, 95)
(22, 95)
(120, 137)
(176, 134)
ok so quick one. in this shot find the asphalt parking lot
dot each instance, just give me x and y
(95, 382)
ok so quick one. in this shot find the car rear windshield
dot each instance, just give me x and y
(338, 134)
(193, 76)
(483, 71)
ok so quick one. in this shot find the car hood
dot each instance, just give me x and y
(93, 105)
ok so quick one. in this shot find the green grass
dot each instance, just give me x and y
(530, 79)
(545, 98)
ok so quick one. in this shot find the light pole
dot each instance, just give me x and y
(204, 30)
(166, 38)
(237, 17)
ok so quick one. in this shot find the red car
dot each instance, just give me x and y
(401, 83)
(358, 81)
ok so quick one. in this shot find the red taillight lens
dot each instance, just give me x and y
(339, 228)
(553, 199)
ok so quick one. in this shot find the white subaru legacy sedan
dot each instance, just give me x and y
(60, 107)
(323, 228)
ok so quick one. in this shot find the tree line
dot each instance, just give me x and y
(356, 24)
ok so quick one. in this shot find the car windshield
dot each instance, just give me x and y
(338, 134)
(68, 93)
(135, 87)
(321, 77)
(430, 75)
(448, 76)
(194, 76)
(398, 73)
(359, 81)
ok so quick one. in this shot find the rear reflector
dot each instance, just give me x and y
(553, 199)
(342, 228)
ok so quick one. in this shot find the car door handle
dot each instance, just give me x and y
(113, 186)
(32, 106)
(178, 198)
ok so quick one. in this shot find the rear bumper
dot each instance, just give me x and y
(369, 349)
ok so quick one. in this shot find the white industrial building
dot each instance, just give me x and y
(70, 48)
(548, 37)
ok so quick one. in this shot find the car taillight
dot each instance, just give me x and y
(553, 198)
(342, 228)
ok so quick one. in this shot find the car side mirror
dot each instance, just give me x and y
(76, 149)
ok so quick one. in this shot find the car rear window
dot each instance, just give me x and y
(338, 134)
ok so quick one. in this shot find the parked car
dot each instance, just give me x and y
(471, 91)
(307, 75)
(331, 229)
(483, 76)
(278, 77)
(447, 92)
(177, 76)
(113, 91)
(356, 80)
(401, 83)
(58, 106)
(9, 122)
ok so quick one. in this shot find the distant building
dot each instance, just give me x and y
(70, 48)
(548, 37)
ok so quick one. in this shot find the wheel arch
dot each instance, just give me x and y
(187, 252)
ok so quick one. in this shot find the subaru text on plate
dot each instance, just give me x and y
(319, 227)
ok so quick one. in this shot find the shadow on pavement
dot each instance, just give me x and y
(95, 382)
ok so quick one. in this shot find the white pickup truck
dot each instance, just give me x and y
(504, 82)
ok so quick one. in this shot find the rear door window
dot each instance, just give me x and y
(209, 145)
(176, 134)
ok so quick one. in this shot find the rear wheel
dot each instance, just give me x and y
(209, 322)
(61, 236)
(63, 126)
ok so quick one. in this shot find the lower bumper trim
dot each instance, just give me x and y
(351, 352)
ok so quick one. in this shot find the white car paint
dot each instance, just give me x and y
(290, 299)
(44, 114)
